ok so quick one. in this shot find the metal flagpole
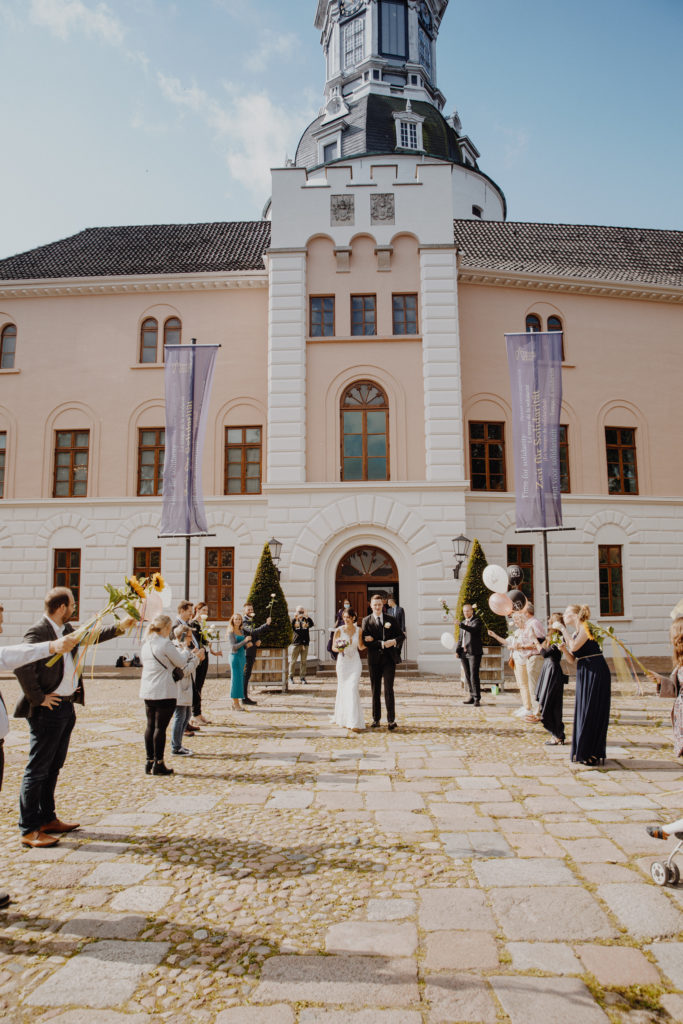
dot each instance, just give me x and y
(545, 530)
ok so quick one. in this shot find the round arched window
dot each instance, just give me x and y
(148, 340)
(364, 432)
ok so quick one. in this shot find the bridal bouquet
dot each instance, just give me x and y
(341, 646)
(127, 599)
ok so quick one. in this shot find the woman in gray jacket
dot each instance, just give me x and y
(159, 689)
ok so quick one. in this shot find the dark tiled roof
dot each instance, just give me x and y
(637, 255)
(146, 249)
(372, 129)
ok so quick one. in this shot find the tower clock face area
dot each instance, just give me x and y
(349, 7)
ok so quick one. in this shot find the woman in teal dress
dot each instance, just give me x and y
(593, 688)
(239, 641)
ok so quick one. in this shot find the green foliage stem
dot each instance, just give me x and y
(474, 591)
(265, 583)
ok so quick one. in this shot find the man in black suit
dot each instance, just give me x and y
(382, 636)
(50, 693)
(399, 614)
(470, 650)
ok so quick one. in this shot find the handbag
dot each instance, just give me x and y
(176, 673)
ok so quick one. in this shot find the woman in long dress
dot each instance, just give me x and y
(550, 686)
(348, 642)
(593, 688)
(672, 686)
(238, 640)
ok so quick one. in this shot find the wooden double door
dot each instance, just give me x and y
(362, 572)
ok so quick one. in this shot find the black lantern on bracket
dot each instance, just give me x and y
(461, 547)
(275, 552)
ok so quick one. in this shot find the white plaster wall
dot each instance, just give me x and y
(287, 368)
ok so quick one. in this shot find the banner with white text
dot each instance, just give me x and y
(535, 363)
(188, 374)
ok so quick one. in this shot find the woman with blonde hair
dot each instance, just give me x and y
(239, 640)
(672, 686)
(159, 689)
(593, 686)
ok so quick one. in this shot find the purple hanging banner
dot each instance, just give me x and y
(535, 362)
(188, 374)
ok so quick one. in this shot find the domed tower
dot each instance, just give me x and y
(382, 99)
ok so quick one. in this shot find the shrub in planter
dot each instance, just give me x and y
(474, 591)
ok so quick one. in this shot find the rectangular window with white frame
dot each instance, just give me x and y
(353, 47)
(408, 135)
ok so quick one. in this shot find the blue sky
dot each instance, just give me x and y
(150, 111)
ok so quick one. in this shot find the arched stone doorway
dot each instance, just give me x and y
(362, 572)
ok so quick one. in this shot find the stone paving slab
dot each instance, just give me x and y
(104, 926)
(145, 898)
(95, 1017)
(461, 951)
(117, 873)
(391, 909)
(459, 997)
(645, 911)
(532, 871)
(373, 937)
(357, 1017)
(585, 850)
(541, 1000)
(560, 913)
(464, 845)
(615, 966)
(669, 956)
(128, 821)
(103, 974)
(197, 803)
(352, 980)
(549, 957)
(449, 909)
(408, 823)
(280, 1014)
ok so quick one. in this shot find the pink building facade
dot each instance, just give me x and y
(361, 406)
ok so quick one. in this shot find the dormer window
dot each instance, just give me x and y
(408, 130)
(330, 152)
(353, 42)
(393, 29)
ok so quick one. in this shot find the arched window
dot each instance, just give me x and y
(8, 347)
(555, 324)
(364, 433)
(533, 322)
(172, 331)
(148, 340)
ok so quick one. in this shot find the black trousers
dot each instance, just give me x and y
(50, 731)
(382, 670)
(471, 663)
(159, 714)
(248, 666)
(198, 684)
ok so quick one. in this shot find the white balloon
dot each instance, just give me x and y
(448, 641)
(495, 578)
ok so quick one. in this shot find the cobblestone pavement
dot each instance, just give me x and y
(290, 873)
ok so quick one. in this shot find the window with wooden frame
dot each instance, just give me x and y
(487, 456)
(67, 572)
(151, 451)
(149, 336)
(243, 455)
(364, 433)
(146, 561)
(172, 332)
(363, 314)
(404, 313)
(565, 480)
(555, 324)
(8, 346)
(611, 571)
(523, 556)
(3, 461)
(71, 464)
(321, 316)
(622, 469)
(533, 323)
(219, 581)
(393, 28)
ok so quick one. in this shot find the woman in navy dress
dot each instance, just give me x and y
(593, 688)
(551, 683)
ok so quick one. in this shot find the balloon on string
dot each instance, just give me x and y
(518, 599)
(515, 576)
(448, 641)
(495, 578)
(500, 604)
(151, 606)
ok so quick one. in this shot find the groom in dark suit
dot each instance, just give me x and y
(382, 635)
(470, 650)
(50, 692)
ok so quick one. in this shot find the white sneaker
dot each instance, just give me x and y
(520, 712)
(183, 752)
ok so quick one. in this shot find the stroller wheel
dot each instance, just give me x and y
(660, 873)
(675, 874)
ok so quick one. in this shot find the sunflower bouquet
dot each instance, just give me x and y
(127, 599)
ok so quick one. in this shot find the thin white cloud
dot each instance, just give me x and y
(272, 45)
(515, 147)
(254, 132)
(62, 17)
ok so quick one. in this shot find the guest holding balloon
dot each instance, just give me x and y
(470, 650)
(672, 686)
(593, 687)
(520, 647)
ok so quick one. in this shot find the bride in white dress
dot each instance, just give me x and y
(348, 641)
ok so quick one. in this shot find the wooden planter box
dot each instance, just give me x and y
(270, 668)
(491, 670)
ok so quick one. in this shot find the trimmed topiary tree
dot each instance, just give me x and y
(474, 591)
(267, 582)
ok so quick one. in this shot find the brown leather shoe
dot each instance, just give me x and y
(58, 826)
(39, 839)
